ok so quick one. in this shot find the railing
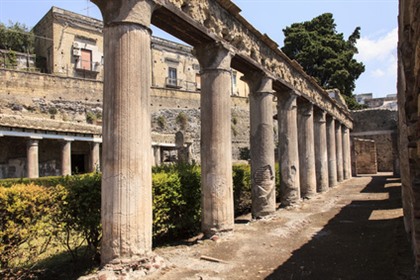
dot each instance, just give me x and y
(180, 84)
(91, 66)
(172, 82)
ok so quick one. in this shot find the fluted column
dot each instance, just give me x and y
(216, 147)
(332, 162)
(262, 144)
(66, 158)
(321, 155)
(306, 149)
(32, 156)
(339, 151)
(94, 159)
(288, 148)
(127, 156)
(346, 154)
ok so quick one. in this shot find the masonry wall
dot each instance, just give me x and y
(379, 125)
(36, 95)
(365, 156)
(408, 105)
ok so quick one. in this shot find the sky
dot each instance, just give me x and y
(377, 19)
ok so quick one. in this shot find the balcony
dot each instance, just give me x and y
(173, 83)
(88, 66)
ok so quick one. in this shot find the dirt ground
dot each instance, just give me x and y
(354, 231)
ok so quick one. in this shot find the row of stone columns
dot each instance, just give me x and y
(33, 157)
(314, 150)
(127, 157)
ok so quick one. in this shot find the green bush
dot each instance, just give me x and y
(176, 197)
(242, 188)
(24, 216)
(79, 216)
(43, 181)
(167, 201)
(72, 204)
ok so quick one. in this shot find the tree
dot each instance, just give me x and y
(16, 37)
(325, 54)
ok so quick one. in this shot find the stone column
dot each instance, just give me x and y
(306, 149)
(66, 158)
(94, 159)
(339, 151)
(321, 155)
(332, 162)
(288, 148)
(127, 156)
(262, 145)
(216, 149)
(346, 154)
(32, 158)
(157, 155)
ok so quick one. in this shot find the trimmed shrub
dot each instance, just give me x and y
(24, 216)
(79, 216)
(176, 201)
(242, 188)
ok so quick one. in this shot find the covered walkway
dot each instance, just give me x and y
(354, 231)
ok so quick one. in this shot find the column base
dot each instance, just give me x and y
(132, 268)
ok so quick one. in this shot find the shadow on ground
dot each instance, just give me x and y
(355, 243)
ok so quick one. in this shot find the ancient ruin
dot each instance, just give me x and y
(408, 106)
(222, 39)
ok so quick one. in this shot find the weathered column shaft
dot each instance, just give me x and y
(127, 156)
(306, 149)
(321, 155)
(262, 145)
(346, 154)
(66, 158)
(94, 163)
(216, 150)
(157, 155)
(32, 158)
(288, 148)
(339, 150)
(332, 162)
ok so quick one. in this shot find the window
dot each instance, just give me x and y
(172, 79)
(86, 59)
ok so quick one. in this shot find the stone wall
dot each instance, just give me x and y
(408, 105)
(379, 125)
(364, 153)
(35, 95)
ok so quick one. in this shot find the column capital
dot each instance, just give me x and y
(33, 142)
(214, 56)
(258, 82)
(120, 11)
(320, 116)
(338, 125)
(287, 99)
(306, 108)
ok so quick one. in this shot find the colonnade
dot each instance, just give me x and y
(127, 157)
(32, 157)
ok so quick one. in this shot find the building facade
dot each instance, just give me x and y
(57, 114)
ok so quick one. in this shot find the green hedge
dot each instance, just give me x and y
(24, 216)
(67, 209)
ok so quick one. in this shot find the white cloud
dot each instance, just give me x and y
(377, 73)
(377, 49)
(379, 55)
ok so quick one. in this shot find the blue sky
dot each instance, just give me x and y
(377, 19)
